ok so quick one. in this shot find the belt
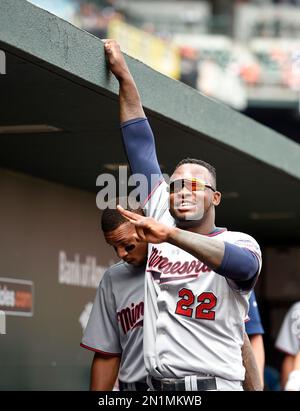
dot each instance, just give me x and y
(133, 386)
(174, 384)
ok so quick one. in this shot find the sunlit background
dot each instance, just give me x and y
(243, 53)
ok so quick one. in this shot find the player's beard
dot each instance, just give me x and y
(186, 222)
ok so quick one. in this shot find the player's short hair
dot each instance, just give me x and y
(202, 163)
(112, 219)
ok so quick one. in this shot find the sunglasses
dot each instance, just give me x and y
(191, 184)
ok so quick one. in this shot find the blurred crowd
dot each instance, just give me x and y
(95, 19)
(92, 16)
(231, 51)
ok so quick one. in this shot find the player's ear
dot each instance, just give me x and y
(217, 198)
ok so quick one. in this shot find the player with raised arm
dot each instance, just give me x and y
(115, 327)
(198, 276)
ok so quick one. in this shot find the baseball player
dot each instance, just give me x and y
(115, 327)
(114, 330)
(198, 276)
(288, 341)
(117, 345)
(255, 331)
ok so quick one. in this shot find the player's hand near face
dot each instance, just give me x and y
(147, 228)
(208, 250)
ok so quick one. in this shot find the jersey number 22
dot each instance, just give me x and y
(204, 310)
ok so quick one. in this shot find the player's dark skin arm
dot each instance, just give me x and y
(286, 368)
(252, 380)
(104, 372)
(297, 362)
(257, 345)
(208, 250)
(292, 380)
(130, 102)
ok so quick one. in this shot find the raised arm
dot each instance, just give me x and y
(136, 132)
(130, 102)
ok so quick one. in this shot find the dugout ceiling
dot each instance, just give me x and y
(56, 75)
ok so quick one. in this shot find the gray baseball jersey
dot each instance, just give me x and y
(288, 339)
(115, 326)
(194, 318)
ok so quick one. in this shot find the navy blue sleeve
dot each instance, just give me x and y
(238, 264)
(254, 325)
(139, 145)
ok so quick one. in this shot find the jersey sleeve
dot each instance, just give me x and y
(245, 241)
(288, 339)
(102, 332)
(254, 325)
(140, 149)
